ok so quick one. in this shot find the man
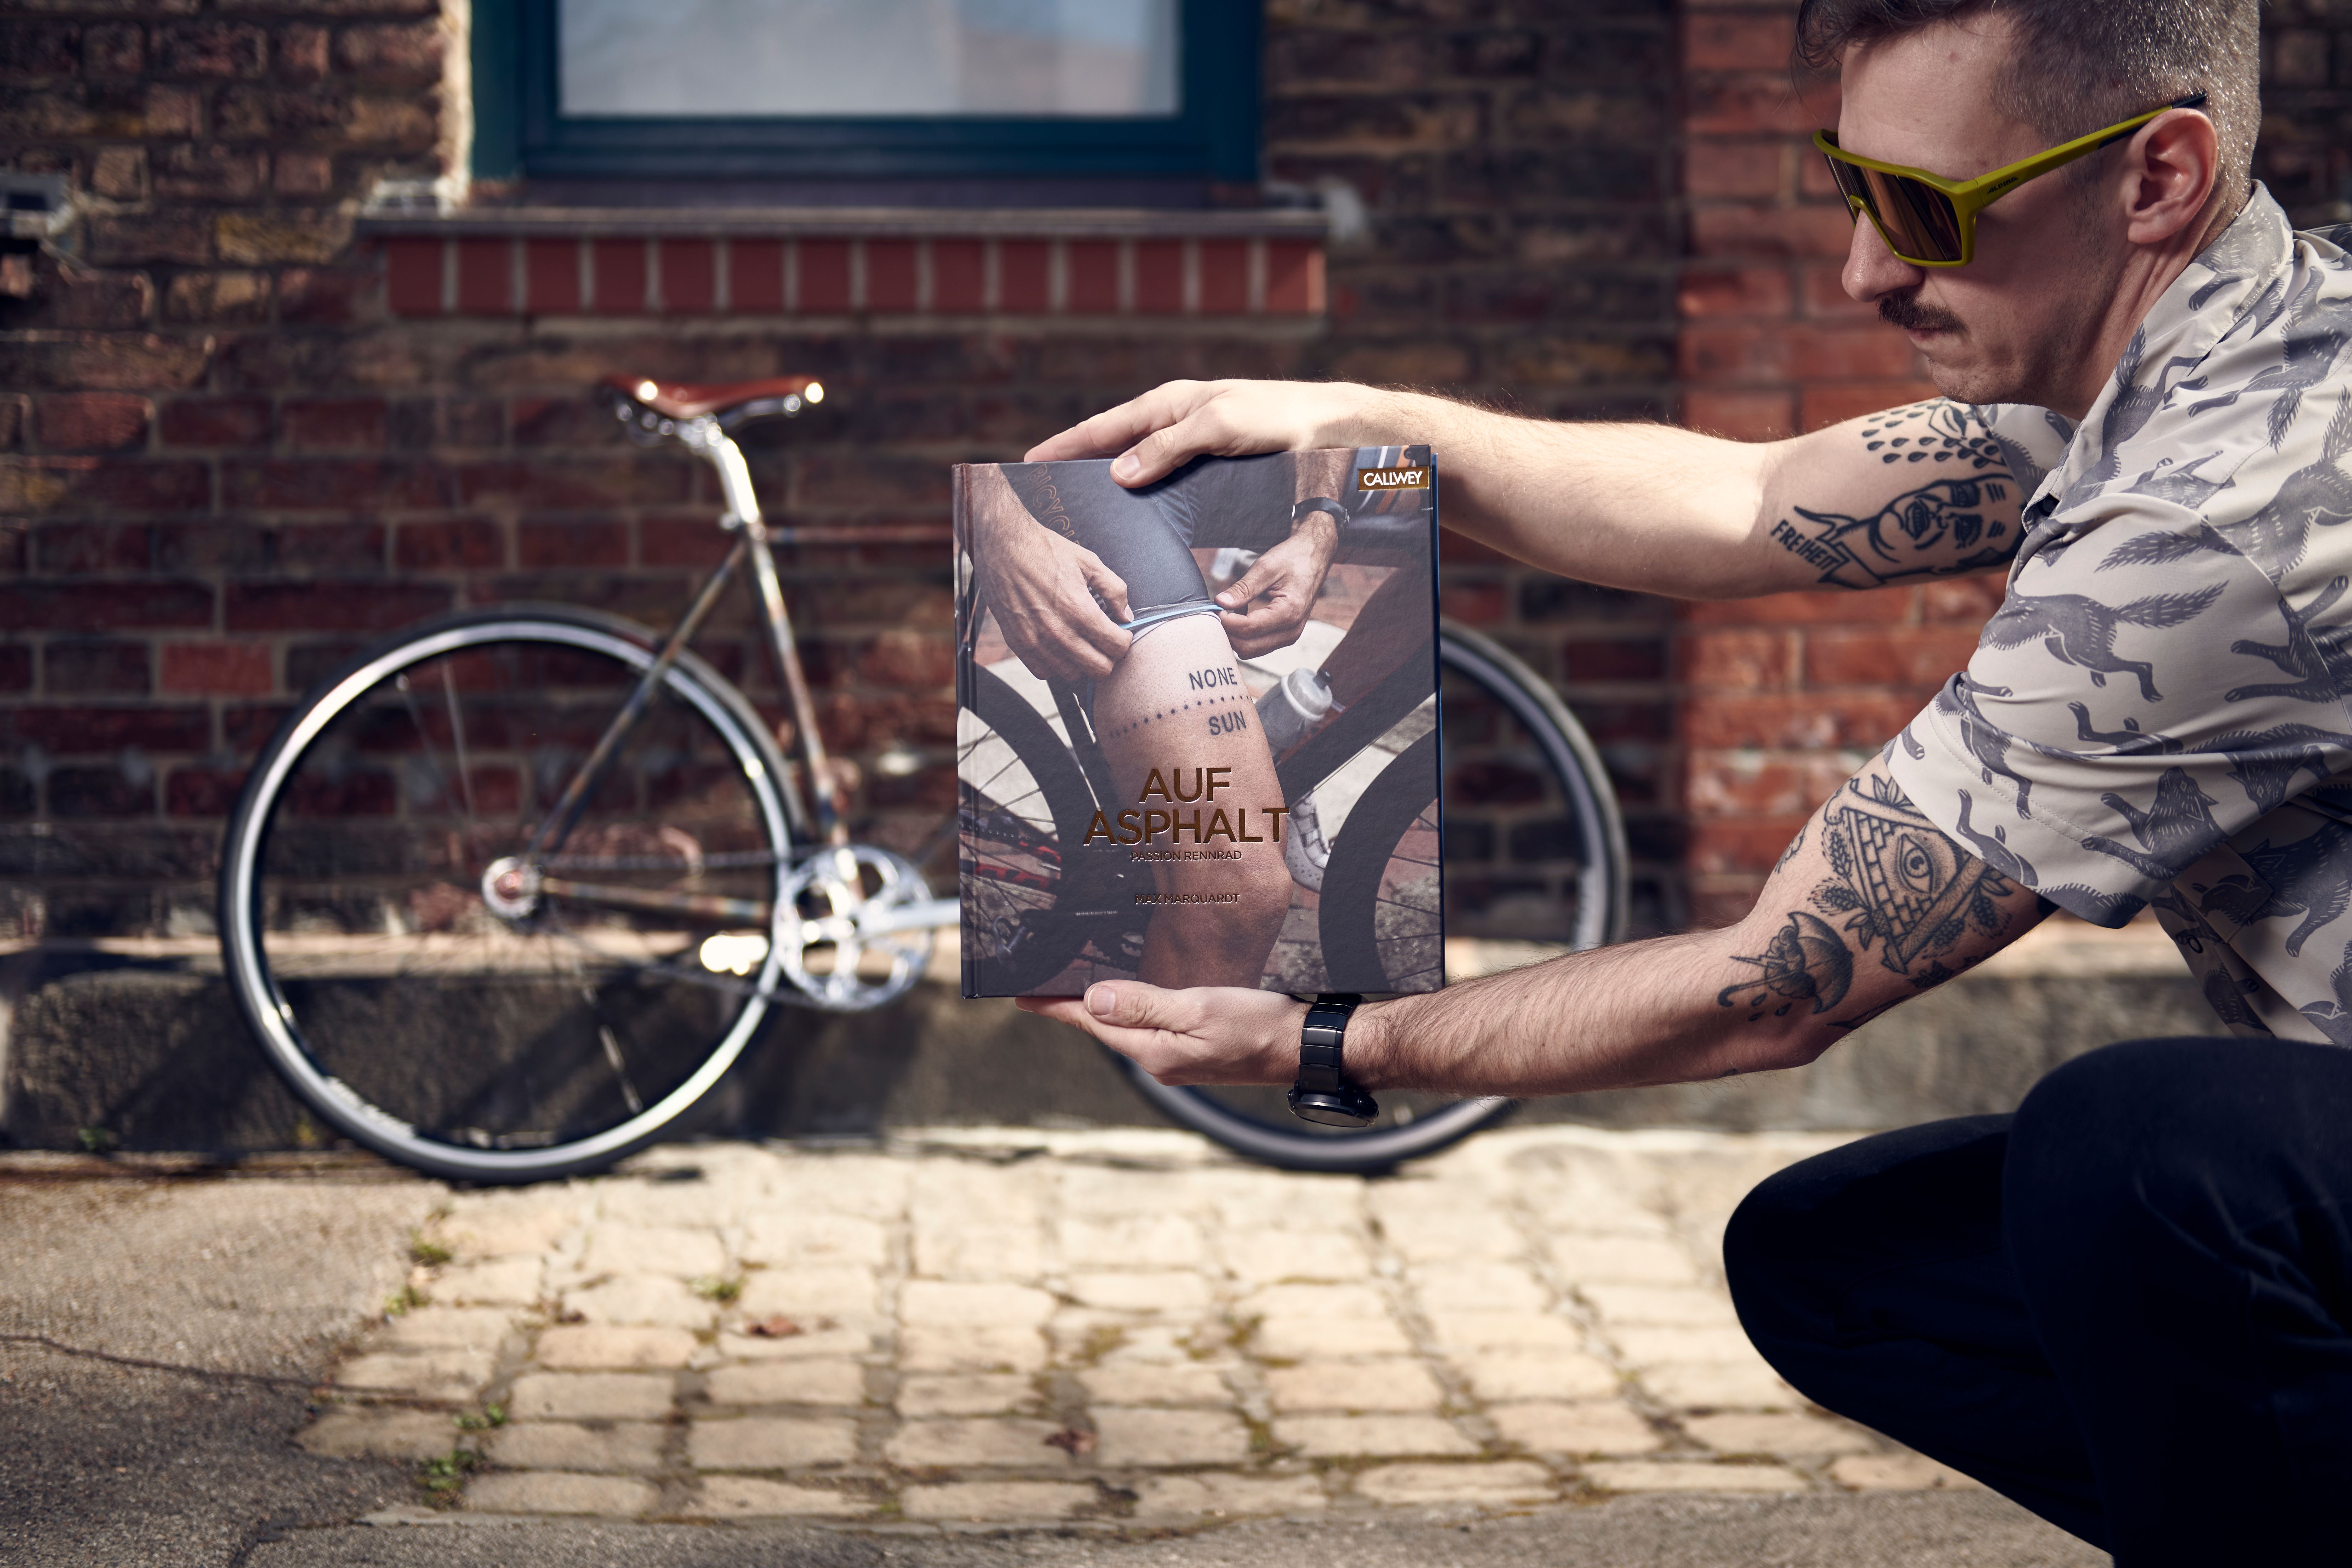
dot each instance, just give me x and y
(2125, 1305)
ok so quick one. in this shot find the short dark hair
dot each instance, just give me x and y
(2083, 64)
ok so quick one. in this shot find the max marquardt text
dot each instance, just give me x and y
(1205, 823)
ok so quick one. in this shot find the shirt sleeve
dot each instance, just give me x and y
(2144, 694)
(2033, 440)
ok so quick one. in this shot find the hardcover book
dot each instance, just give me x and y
(1196, 725)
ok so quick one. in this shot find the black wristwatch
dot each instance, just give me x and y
(1323, 1094)
(1339, 515)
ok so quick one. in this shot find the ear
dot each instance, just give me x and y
(2174, 164)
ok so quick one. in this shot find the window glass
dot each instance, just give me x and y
(803, 58)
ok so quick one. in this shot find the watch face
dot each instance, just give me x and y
(1351, 1107)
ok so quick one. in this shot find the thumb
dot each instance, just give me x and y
(1133, 1004)
(1106, 583)
(1263, 575)
(1164, 452)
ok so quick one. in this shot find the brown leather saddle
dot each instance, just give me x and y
(731, 403)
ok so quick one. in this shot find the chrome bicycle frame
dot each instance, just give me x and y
(824, 817)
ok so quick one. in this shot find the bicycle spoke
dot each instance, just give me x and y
(457, 739)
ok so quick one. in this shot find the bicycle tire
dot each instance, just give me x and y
(384, 989)
(1348, 920)
(1010, 860)
(1587, 822)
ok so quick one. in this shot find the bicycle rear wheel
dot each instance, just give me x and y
(1021, 801)
(539, 1023)
(1534, 866)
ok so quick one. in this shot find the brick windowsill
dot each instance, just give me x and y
(833, 261)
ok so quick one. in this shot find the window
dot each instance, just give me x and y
(866, 89)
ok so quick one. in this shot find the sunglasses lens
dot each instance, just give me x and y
(1917, 221)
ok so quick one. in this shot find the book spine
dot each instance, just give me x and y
(1437, 688)
(967, 608)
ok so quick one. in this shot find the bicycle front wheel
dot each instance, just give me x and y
(440, 993)
(1534, 866)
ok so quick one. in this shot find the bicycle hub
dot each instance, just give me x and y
(510, 888)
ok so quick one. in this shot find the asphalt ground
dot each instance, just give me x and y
(198, 1313)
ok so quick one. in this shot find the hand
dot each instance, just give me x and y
(1288, 578)
(1221, 1033)
(1169, 425)
(1041, 589)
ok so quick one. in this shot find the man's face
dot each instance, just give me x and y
(2019, 323)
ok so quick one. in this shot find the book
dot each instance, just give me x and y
(1153, 785)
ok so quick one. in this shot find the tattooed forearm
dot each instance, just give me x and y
(1807, 962)
(1899, 891)
(1790, 852)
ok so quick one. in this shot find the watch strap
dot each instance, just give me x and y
(1339, 515)
(1322, 1061)
(1322, 1093)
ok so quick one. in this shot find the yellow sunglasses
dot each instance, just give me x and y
(1930, 221)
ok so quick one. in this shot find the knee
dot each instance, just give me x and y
(1245, 929)
(1264, 893)
(1765, 1235)
(1787, 1303)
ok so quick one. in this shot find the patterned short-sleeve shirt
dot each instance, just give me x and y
(2158, 712)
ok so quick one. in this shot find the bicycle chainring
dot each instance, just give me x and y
(826, 902)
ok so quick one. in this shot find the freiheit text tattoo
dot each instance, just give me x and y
(1960, 521)
(1940, 529)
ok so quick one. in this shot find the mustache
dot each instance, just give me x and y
(1906, 311)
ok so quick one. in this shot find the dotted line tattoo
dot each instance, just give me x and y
(1226, 702)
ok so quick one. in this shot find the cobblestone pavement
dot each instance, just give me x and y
(1005, 1326)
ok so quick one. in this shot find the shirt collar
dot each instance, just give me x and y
(2214, 297)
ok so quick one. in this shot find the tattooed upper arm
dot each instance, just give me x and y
(1918, 491)
(1872, 905)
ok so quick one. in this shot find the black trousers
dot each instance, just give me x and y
(2129, 1306)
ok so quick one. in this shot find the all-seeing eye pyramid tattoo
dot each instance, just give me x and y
(1899, 889)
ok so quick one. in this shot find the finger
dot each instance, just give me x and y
(1097, 639)
(1164, 452)
(1261, 576)
(1257, 644)
(1070, 1010)
(1044, 647)
(1258, 619)
(1133, 1004)
(1051, 653)
(1116, 428)
(1106, 583)
(1085, 653)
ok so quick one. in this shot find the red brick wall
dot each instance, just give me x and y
(1782, 696)
(1518, 166)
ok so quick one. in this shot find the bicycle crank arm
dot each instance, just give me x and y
(744, 911)
(935, 914)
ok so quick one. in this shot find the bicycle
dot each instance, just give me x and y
(510, 893)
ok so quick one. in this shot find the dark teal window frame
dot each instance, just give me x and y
(518, 134)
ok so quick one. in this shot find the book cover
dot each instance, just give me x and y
(1154, 785)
